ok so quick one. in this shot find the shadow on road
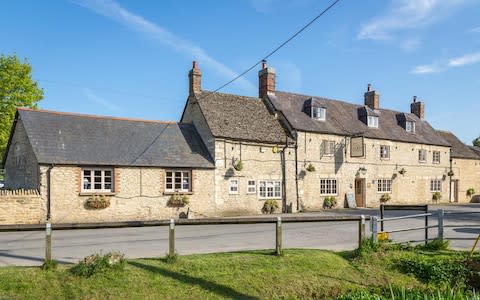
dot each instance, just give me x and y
(4, 253)
(467, 230)
(212, 287)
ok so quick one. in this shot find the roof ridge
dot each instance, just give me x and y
(95, 116)
(228, 94)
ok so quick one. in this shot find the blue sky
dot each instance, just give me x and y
(131, 58)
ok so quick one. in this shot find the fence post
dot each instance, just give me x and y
(361, 230)
(171, 239)
(278, 239)
(374, 225)
(48, 242)
(382, 214)
(440, 224)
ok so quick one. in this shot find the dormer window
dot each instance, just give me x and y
(410, 126)
(318, 113)
(372, 121)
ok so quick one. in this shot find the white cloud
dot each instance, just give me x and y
(101, 101)
(115, 12)
(455, 62)
(406, 15)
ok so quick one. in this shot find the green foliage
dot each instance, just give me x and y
(178, 200)
(435, 245)
(98, 202)
(476, 142)
(470, 192)
(442, 270)
(310, 168)
(385, 198)
(171, 258)
(402, 293)
(437, 196)
(329, 202)
(49, 265)
(17, 89)
(97, 263)
(366, 247)
(270, 206)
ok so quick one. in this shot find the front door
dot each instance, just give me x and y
(360, 192)
(454, 191)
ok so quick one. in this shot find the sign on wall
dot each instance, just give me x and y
(357, 147)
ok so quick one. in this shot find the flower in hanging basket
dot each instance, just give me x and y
(98, 202)
(178, 200)
(436, 196)
(329, 202)
(402, 171)
(385, 198)
(470, 192)
(450, 173)
(238, 165)
(310, 168)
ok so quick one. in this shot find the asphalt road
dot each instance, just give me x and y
(69, 246)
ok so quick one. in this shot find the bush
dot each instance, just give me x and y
(435, 245)
(97, 263)
(367, 246)
(470, 192)
(329, 202)
(178, 200)
(49, 265)
(385, 198)
(98, 202)
(270, 206)
(437, 196)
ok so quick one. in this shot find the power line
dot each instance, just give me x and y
(279, 47)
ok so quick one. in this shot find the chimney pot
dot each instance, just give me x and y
(194, 65)
(369, 87)
(414, 99)
(417, 108)
(264, 64)
(194, 79)
(372, 98)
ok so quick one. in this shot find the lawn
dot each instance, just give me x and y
(298, 274)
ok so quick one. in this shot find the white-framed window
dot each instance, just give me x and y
(436, 157)
(328, 187)
(410, 126)
(328, 148)
(318, 113)
(233, 186)
(384, 152)
(422, 155)
(372, 121)
(270, 189)
(178, 181)
(384, 185)
(97, 180)
(435, 185)
(251, 187)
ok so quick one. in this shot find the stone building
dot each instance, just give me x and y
(228, 155)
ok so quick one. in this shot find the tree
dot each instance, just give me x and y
(476, 142)
(17, 89)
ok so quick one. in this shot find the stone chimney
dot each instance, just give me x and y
(195, 79)
(417, 108)
(266, 80)
(372, 98)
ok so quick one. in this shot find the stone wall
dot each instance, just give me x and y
(467, 172)
(22, 207)
(411, 187)
(21, 168)
(138, 196)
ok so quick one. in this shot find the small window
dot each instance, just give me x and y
(435, 185)
(328, 148)
(270, 189)
(384, 185)
(436, 157)
(372, 121)
(410, 126)
(233, 189)
(328, 187)
(384, 152)
(97, 180)
(422, 155)
(318, 113)
(251, 187)
(177, 181)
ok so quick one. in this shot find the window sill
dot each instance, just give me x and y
(181, 193)
(97, 193)
(263, 199)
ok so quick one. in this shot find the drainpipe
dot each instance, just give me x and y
(451, 180)
(49, 201)
(296, 173)
(284, 179)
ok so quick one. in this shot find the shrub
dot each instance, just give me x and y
(98, 202)
(437, 196)
(178, 200)
(97, 263)
(435, 245)
(49, 265)
(329, 202)
(385, 198)
(367, 246)
(270, 206)
(470, 192)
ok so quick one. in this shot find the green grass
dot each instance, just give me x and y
(297, 274)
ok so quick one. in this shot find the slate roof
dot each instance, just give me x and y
(344, 118)
(459, 149)
(61, 138)
(240, 118)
